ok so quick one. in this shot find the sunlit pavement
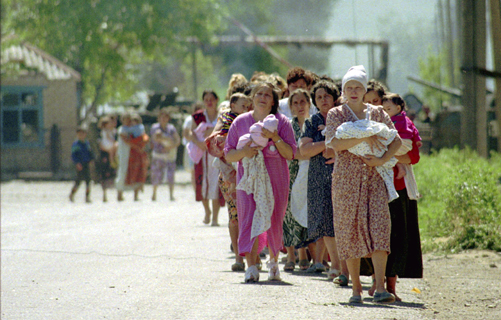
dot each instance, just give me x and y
(147, 260)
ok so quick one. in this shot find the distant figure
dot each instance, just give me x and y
(107, 155)
(138, 158)
(83, 157)
(206, 176)
(132, 163)
(187, 124)
(427, 114)
(165, 141)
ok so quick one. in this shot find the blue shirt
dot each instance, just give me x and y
(81, 152)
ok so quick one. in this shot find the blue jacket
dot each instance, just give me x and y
(81, 152)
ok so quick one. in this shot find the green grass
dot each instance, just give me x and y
(460, 206)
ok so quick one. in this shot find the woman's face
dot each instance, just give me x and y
(354, 91)
(373, 98)
(126, 121)
(263, 99)
(163, 119)
(300, 106)
(210, 101)
(299, 84)
(324, 100)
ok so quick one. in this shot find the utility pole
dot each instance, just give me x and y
(495, 9)
(474, 115)
(195, 75)
(450, 43)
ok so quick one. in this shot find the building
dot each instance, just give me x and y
(39, 103)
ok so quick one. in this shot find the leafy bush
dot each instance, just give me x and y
(461, 203)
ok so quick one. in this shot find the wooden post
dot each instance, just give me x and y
(480, 81)
(195, 77)
(474, 116)
(450, 44)
(495, 9)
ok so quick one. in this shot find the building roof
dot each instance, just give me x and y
(33, 57)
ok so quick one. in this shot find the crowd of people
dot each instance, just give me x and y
(318, 169)
(124, 161)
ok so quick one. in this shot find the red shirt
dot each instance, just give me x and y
(414, 155)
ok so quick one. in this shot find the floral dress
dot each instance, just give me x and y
(319, 185)
(359, 195)
(295, 234)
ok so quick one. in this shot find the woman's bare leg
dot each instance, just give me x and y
(291, 255)
(302, 254)
(319, 251)
(379, 259)
(171, 191)
(154, 196)
(312, 248)
(354, 269)
(391, 284)
(207, 211)
(251, 256)
(215, 212)
(233, 227)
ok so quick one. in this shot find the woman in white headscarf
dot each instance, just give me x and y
(359, 194)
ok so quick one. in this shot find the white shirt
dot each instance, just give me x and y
(283, 108)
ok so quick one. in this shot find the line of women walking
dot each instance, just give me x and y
(321, 184)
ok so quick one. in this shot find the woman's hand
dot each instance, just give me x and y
(208, 132)
(329, 154)
(375, 142)
(249, 151)
(373, 161)
(270, 135)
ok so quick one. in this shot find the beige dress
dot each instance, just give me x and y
(359, 196)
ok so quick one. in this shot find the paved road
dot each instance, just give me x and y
(148, 260)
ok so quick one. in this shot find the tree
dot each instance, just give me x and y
(433, 69)
(103, 39)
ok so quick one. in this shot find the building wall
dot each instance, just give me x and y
(59, 108)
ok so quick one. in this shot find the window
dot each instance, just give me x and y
(21, 116)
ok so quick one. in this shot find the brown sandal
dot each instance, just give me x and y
(289, 266)
(304, 264)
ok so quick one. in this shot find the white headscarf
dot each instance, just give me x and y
(356, 73)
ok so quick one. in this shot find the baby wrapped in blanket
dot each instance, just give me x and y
(366, 128)
(194, 152)
(255, 179)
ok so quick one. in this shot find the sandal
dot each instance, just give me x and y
(384, 297)
(289, 266)
(332, 274)
(238, 266)
(251, 275)
(341, 280)
(316, 268)
(274, 271)
(304, 264)
(355, 299)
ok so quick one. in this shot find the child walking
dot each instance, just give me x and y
(83, 157)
